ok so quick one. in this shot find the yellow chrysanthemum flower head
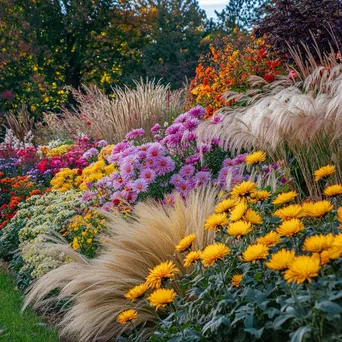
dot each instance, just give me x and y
(256, 157)
(339, 215)
(285, 197)
(136, 292)
(214, 252)
(255, 252)
(253, 217)
(127, 316)
(161, 272)
(191, 258)
(302, 268)
(262, 195)
(236, 280)
(186, 243)
(161, 297)
(317, 209)
(243, 189)
(289, 212)
(238, 212)
(239, 228)
(290, 227)
(216, 221)
(225, 205)
(324, 172)
(270, 239)
(281, 260)
(318, 243)
(333, 190)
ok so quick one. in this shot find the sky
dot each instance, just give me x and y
(211, 5)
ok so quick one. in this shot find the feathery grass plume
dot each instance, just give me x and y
(96, 288)
(100, 116)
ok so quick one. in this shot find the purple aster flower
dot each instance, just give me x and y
(155, 151)
(202, 177)
(189, 136)
(102, 143)
(215, 141)
(127, 170)
(135, 133)
(185, 186)
(164, 165)
(187, 171)
(191, 124)
(240, 158)
(182, 118)
(120, 147)
(155, 128)
(169, 199)
(228, 162)
(140, 185)
(193, 159)
(148, 175)
(197, 112)
(216, 119)
(176, 179)
(92, 152)
(108, 206)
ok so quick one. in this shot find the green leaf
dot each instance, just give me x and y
(329, 307)
(300, 333)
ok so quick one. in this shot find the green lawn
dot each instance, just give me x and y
(17, 327)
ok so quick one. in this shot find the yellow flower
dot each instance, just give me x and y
(317, 209)
(285, 197)
(261, 195)
(330, 254)
(236, 280)
(333, 190)
(339, 216)
(289, 212)
(191, 258)
(216, 221)
(161, 272)
(136, 292)
(161, 297)
(239, 228)
(302, 268)
(214, 252)
(255, 252)
(127, 316)
(270, 239)
(290, 227)
(281, 260)
(240, 210)
(225, 205)
(324, 171)
(317, 243)
(243, 189)
(256, 157)
(185, 243)
(253, 217)
(75, 244)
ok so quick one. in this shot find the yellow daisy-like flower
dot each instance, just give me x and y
(237, 213)
(253, 217)
(289, 212)
(256, 157)
(216, 221)
(302, 268)
(186, 243)
(281, 260)
(225, 205)
(330, 254)
(214, 252)
(318, 243)
(317, 209)
(127, 316)
(324, 171)
(270, 239)
(339, 215)
(290, 227)
(239, 228)
(236, 280)
(191, 258)
(262, 195)
(161, 297)
(333, 190)
(163, 271)
(285, 197)
(136, 292)
(254, 253)
(243, 189)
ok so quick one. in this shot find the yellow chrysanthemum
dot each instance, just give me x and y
(256, 157)
(243, 189)
(270, 239)
(324, 171)
(290, 227)
(253, 217)
(330, 254)
(225, 205)
(262, 195)
(236, 280)
(237, 213)
(239, 228)
(339, 215)
(317, 209)
(302, 268)
(289, 212)
(333, 190)
(318, 243)
(191, 258)
(216, 221)
(186, 243)
(136, 292)
(254, 253)
(281, 260)
(161, 297)
(214, 252)
(163, 271)
(285, 197)
(127, 316)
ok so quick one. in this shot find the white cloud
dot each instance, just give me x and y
(211, 5)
